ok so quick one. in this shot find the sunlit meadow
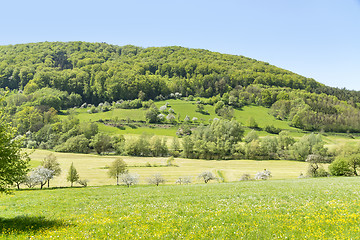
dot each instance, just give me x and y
(327, 208)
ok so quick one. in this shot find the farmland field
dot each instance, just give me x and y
(93, 167)
(327, 208)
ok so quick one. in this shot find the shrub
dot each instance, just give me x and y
(245, 177)
(340, 167)
(83, 182)
(272, 129)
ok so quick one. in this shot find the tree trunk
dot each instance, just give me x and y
(48, 182)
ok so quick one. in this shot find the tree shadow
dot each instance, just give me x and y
(29, 224)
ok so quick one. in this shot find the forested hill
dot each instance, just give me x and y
(103, 72)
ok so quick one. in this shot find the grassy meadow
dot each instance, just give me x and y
(182, 109)
(327, 208)
(94, 167)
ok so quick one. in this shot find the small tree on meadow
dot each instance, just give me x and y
(156, 179)
(73, 175)
(264, 175)
(117, 168)
(51, 163)
(41, 175)
(206, 176)
(129, 179)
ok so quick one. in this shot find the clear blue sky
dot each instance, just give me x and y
(314, 38)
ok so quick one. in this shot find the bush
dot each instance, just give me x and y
(83, 182)
(77, 144)
(245, 177)
(272, 129)
(340, 167)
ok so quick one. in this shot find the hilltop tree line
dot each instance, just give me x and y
(101, 72)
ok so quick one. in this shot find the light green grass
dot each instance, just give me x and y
(92, 167)
(326, 208)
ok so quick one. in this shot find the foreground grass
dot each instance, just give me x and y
(277, 209)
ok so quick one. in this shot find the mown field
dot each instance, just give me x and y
(94, 167)
(327, 208)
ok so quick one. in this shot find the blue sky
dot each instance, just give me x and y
(315, 38)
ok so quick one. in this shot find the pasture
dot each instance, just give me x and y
(182, 109)
(327, 208)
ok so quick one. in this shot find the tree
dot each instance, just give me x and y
(156, 179)
(51, 163)
(13, 162)
(206, 176)
(354, 162)
(101, 143)
(264, 175)
(315, 168)
(117, 168)
(152, 114)
(129, 179)
(41, 175)
(252, 135)
(73, 175)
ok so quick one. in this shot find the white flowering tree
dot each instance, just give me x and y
(264, 175)
(206, 176)
(41, 176)
(156, 179)
(129, 179)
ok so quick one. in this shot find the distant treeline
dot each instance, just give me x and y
(101, 72)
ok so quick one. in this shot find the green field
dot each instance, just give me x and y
(93, 167)
(182, 109)
(327, 208)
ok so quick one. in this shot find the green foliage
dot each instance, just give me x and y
(139, 146)
(214, 141)
(101, 143)
(73, 175)
(76, 144)
(252, 123)
(117, 168)
(51, 163)
(307, 145)
(251, 136)
(13, 162)
(272, 129)
(340, 167)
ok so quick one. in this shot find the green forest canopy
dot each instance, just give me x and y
(103, 72)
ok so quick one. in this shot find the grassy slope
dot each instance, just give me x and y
(326, 208)
(92, 167)
(182, 109)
